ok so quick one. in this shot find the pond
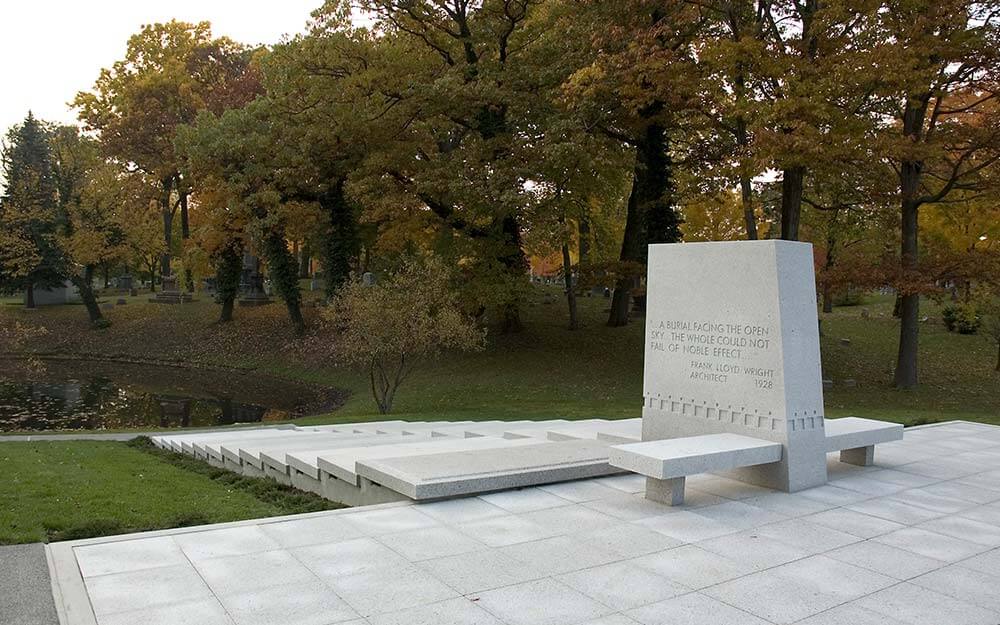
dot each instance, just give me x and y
(96, 395)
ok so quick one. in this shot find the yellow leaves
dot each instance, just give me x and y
(408, 314)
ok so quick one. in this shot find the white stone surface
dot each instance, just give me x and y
(587, 552)
(231, 450)
(678, 457)
(621, 431)
(343, 464)
(732, 346)
(853, 432)
(251, 453)
(464, 472)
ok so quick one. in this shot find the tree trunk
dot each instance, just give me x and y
(304, 257)
(168, 224)
(749, 216)
(107, 275)
(513, 260)
(340, 239)
(831, 245)
(910, 172)
(283, 272)
(746, 184)
(791, 202)
(185, 235)
(83, 284)
(227, 277)
(583, 235)
(827, 299)
(574, 323)
(29, 297)
(650, 217)
(909, 314)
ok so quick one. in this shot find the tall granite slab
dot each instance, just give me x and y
(732, 345)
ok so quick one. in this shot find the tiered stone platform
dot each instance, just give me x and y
(912, 540)
(370, 463)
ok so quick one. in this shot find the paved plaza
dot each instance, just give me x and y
(914, 539)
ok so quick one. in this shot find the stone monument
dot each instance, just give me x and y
(170, 293)
(732, 346)
(253, 283)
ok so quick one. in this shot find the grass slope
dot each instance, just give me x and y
(79, 489)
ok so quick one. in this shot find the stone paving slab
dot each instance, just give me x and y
(464, 472)
(919, 550)
(25, 588)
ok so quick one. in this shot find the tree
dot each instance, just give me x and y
(404, 319)
(635, 88)
(89, 193)
(719, 217)
(456, 94)
(170, 72)
(940, 67)
(29, 216)
(238, 157)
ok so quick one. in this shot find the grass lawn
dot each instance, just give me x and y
(78, 489)
(546, 371)
(61, 490)
(550, 372)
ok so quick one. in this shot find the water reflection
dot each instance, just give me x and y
(134, 396)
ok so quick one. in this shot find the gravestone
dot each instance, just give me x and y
(254, 293)
(170, 292)
(124, 283)
(732, 346)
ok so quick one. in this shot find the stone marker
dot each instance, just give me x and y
(732, 346)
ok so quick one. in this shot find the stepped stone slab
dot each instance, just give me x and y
(343, 464)
(307, 460)
(176, 441)
(232, 451)
(250, 453)
(465, 472)
(624, 431)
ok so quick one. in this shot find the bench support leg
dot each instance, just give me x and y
(861, 456)
(670, 492)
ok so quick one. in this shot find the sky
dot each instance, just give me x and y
(51, 49)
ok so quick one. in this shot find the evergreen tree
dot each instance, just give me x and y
(29, 218)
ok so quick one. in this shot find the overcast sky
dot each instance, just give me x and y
(50, 49)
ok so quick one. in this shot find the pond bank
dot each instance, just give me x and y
(71, 392)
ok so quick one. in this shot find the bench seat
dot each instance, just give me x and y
(855, 438)
(667, 462)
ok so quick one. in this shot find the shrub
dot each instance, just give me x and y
(407, 317)
(961, 318)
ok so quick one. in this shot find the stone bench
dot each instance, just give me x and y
(666, 463)
(855, 438)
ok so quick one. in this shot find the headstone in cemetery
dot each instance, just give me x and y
(124, 282)
(732, 346)
(368, 278)
(121, 301)
(252, 282)
(170, 292)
